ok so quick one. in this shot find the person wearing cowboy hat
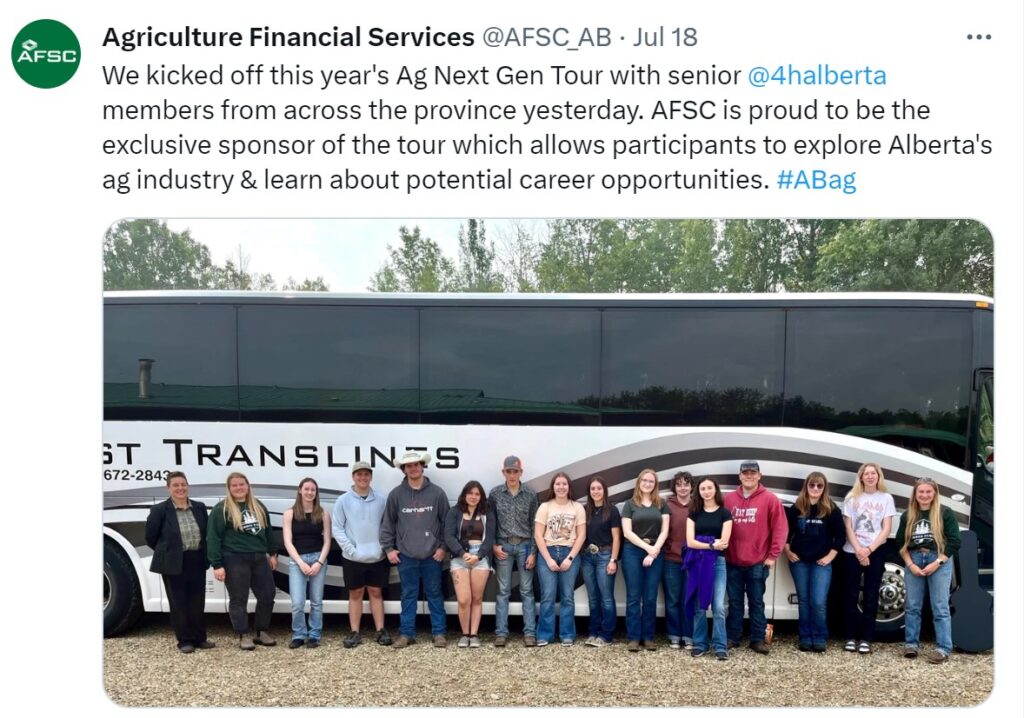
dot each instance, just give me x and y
(412, 535)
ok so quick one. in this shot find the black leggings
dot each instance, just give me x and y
(861, 625)
(242, 572)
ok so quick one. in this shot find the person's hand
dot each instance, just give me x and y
(531, 561)
(566, 564)
(439, 554)
(769, 563)
(272, 560)
(613, 566)
(314, 569)
(393, 557)
(825, 560)
(862, 553)
(552, 565)
(219, 573)
(648, 561)
(499, 553)
(793, 558)
(471, 559)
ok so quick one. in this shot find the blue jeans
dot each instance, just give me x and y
(700, 618)
(601, 592)
(937, 586)
(517, 555)
(297, 583)
(411, 572)
(812, 582)
(749, 580)
(678, 611)
(559, 586)
(641, 592)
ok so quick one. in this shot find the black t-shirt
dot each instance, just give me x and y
(599, 529)
(709, 523)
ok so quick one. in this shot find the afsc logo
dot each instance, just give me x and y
(46, 53)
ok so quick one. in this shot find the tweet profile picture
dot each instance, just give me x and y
(46, 53)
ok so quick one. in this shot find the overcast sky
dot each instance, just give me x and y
(345, 252)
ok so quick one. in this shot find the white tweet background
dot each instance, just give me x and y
(55, 213)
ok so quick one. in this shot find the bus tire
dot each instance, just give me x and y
(122, 597)
(892, 597)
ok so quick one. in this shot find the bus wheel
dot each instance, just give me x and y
(122, 598)
(892, 601)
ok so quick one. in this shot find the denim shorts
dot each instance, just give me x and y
(484, 564)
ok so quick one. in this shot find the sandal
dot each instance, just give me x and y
(850, 646)
(864, 648)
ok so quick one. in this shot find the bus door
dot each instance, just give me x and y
(983, 468)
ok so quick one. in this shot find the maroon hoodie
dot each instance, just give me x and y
(759, 527)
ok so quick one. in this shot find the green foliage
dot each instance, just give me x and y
(416, 265)
(476, 260)
(146, 254)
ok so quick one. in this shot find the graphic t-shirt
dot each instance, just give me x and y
(922, 535)
(560, 522)
(866, 513)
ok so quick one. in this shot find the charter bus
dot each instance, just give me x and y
(283, 386)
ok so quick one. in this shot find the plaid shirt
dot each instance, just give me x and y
(190, 536)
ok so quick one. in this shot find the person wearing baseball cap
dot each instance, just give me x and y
(412, 535)
(356, 523)
(515, 509)
(759, 531)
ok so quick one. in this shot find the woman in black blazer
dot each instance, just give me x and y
(176, 531)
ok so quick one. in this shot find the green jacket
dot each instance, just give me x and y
(950, 531)
(223, 536)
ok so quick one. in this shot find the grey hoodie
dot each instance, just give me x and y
(414, 520)
(356, 526)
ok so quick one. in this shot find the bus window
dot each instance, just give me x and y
(169, 363)
(335, 364)
(874, 373)
(510, 366)
(711, 367)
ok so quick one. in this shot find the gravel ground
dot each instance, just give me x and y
(141, 668)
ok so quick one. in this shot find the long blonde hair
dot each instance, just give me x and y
(655, 495)
(858, 486)
(803, 501)
(934, 516)
(231, 511)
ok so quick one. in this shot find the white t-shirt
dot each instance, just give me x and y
(866, 513)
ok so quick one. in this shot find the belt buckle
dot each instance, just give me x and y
(593, 548)
(648, 541)
(515, 540)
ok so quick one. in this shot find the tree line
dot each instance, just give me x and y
(658, 255)
(608, 255)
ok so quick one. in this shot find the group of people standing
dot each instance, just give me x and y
(703, 549)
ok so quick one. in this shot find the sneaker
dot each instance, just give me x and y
(440, 641)
(352, 640)
(909, 652)
(245, 642)
(263, 639)
(313, 643)
(804, 647)
(633, 646)
(500, 641)
(296, 643)
(463, 642)
(383, 638)
(687, 643)
(674, 643)
(591, 641)
(528, 641)
(937, 657)
(650, 646)
(206, 645)
(864, 648)
(567, 641)
(760, 647)
(598, 642)
(722, 656)
(187, 648)
(698, 652)
(474, 642)
(402, 642)
(539, 643)
(850, 646)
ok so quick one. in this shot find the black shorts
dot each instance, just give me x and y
(358, 574)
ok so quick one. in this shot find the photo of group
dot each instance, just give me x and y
(628, 462)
